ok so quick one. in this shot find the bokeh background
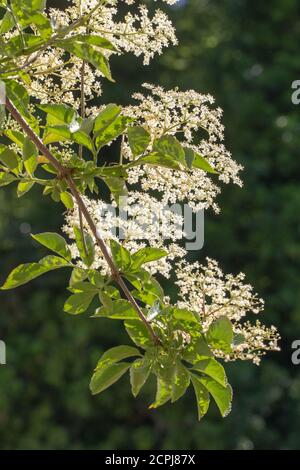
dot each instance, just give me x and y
(246, 54)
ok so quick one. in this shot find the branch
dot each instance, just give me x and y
(64, 173)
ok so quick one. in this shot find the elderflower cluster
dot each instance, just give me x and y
(143, 222)
(173, 112)
(55, 79)
(205, 290)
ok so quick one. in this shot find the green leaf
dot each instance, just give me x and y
(54, 242)
(6, 178)
(85, 245)
(121, 255)
(7, 22)
(78, 275)
(56, 134)
(112, 131)
(94, 41)
(139, 333)
(26, 272)
(9, 158)
(98, 280)
(139, 373)
(79, 303)
(202, 397)
(88, 53)
(82, 138)
(194, 160)
(54, 262)
(20, 98)
(106, 118)
(197, 349)
(183, 314)
(221, 395)
(181, 381)
(220, 334)
(209, 366)
(168, 146)
(67, 199)
(146, 255)
(83, 287)
(24, 187)
(138, 139)
(149, 290)
(30, 154)
(163, 394)
(28, 12)
(155, 159)
(104, 378)
(117, 310)
(116, 354)
(117, 187)
(58, 114)
(16, 137)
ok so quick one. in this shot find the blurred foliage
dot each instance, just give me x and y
(246, 55)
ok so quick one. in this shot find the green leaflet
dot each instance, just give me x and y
(155, 159)
(67, 199)
(89, 53)
(117, 187)
(104, 378)
(139, 333)
(168, 146)
(181, 381)
(30, 154)
(94, 40)
(163, 393)
(26, 272)
(146, 285)
(112, 131)
(220, 334)
(202, 397)
(138, 139)
(146, 255)
(85, 245)
(6, 178)
(19, 96)
(121, 255)
(79, 303)
(106, 118)
(54, 242)
(194, 160)
(209, 366)
(139, 373)
(196, 350)
(116, 354)
(9, 158)
(7, 23)
(58, 114)
(117, 310)
(24, 187)
(221, 395)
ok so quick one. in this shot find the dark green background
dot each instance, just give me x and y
(246, 54)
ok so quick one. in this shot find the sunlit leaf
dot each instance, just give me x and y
(104, 378)
(54, 242)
